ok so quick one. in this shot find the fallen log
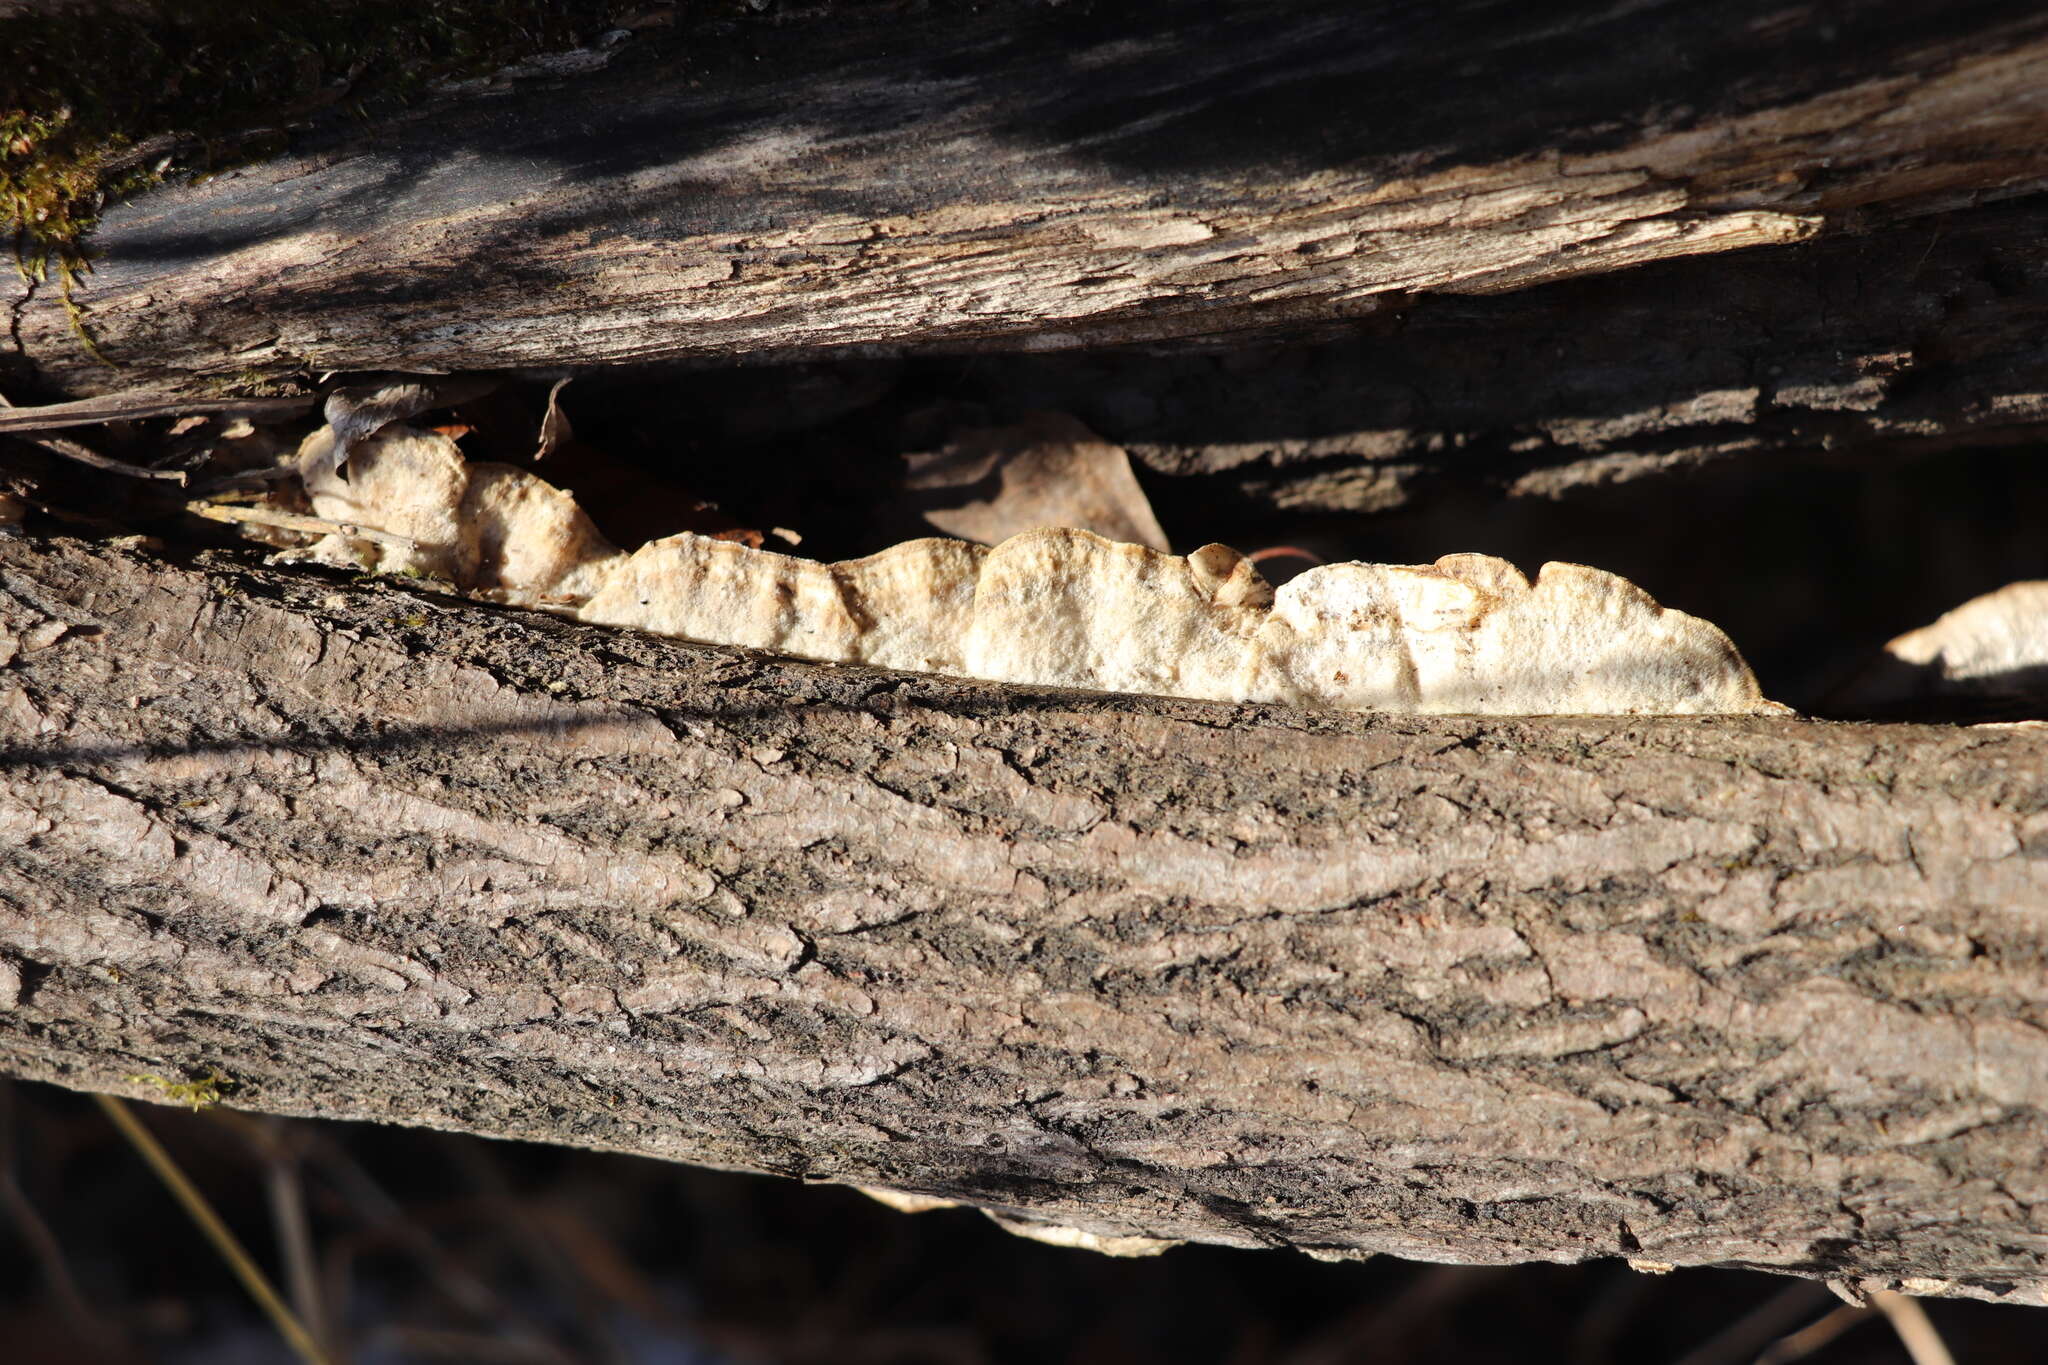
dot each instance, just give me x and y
(1034, 178)
(1919, 338)
(1750, 992)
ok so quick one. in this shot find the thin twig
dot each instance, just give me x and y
(297, 521)
(1380, 1330)
(72, 450)
(541, 1250)
(64, 514)
(1915, 1332)
(389, 1220)
(247, 480)
(446, 1344)
(194, 1203)
(130, 406)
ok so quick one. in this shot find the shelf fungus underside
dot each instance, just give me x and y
(1469, 634)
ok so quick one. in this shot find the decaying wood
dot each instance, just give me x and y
(1751, 992)
(1031, 177)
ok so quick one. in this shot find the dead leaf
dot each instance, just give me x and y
(356, 412)
(991, 483)
(555, 430)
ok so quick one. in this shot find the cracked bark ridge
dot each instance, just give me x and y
(1032, 178)
(1741, 992)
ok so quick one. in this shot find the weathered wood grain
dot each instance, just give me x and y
(1045, 177)
(1926, 336)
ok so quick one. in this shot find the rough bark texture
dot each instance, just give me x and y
(1756, 993)
(1923, 336)
(1036, 177)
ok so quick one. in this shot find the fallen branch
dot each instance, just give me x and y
(1735, 992)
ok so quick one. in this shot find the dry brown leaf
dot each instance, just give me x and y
(555, 431)
(356, 412)
(991, 483)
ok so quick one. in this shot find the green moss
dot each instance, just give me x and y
(101, 102)
(201, 1092)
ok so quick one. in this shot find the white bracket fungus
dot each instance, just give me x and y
(1992, 650)
(1468, 634)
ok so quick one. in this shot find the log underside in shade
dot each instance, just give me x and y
(1028, 177)
(1925, 336)
(1922, 337)
(1749, 992)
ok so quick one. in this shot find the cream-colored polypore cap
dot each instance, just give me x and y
(2002, 632)
(532, 538)
(1067, 608)
(408, 483)
(724, 593)
(486, 526)
(1595, 643)
(1064, 607)
(914, 603)
(1470, 635)
(1991, 649)
(1360, 637)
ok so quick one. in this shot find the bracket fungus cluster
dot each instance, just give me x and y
(1469, 634)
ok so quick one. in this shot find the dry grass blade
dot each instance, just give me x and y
(285, 1189)
(428, 1343)
(194, 1203)
(296, 521)
(388, 1219)
(1757, 1329)
(92, 1326)
(48, 1253)
(1383, 1331)
(1812, 1337)
(538, 1246)
(1916, 1333)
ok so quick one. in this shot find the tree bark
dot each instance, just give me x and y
(1739, 992)
(1924, 336)
(1030, 177)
